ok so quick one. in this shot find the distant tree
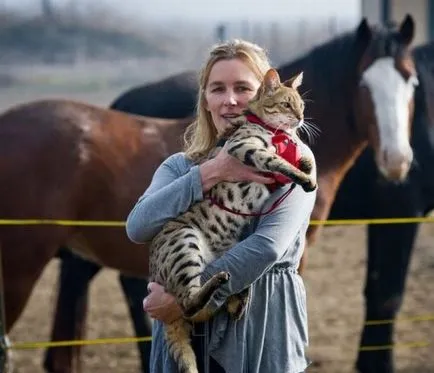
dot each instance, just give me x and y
(47, 10)
(221, 33)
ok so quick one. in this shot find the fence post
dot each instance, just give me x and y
(3, 339)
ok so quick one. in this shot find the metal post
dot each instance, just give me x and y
(430, 20)
(3, 339)
(385, 11)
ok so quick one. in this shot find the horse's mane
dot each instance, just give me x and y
(332, 66)
(424, 54)
(325, 66)
(424, 60)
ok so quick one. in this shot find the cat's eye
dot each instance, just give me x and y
(286, 104)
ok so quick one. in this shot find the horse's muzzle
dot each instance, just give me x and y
(395, 165)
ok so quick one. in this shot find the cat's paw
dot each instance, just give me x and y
(222, 277)
(309, 186)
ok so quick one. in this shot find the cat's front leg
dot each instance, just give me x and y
(268, 161)
(306, 166)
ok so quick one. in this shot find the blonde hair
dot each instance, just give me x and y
(201, 136)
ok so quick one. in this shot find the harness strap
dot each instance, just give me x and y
(275, 204)
(287, 149)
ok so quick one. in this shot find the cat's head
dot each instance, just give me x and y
(278, 104)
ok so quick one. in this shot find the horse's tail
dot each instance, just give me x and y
(179, 344)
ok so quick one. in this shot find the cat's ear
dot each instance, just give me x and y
(271, 81)
(295, 81)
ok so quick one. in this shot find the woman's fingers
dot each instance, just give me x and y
(232, 169)
(154, 286)
(161, 305)
(261, 179)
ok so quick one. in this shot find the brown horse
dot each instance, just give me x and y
(68, 160)
(87, 163)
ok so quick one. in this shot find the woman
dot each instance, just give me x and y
(272, 336)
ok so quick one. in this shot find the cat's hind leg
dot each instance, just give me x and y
(197, 302)
(236, 304)
(188, 257)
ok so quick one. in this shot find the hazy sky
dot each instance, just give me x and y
(212, 9)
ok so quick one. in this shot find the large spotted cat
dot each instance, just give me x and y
(180, 252)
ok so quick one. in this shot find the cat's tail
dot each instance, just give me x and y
(178, 332)
(179, 344)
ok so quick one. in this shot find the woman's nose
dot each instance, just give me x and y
(230, 100)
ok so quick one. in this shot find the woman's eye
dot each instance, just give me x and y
(243, 89)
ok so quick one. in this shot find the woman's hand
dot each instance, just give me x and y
(161, 305)
(225, 167)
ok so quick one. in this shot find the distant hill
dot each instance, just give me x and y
(38, 41)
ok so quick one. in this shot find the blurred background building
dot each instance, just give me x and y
(84, 44)
(394, 10)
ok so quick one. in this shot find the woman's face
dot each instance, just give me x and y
(231, 84)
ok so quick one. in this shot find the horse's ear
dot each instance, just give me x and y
(271, 81)
(363, 33)
(295, 81)
(406, 30)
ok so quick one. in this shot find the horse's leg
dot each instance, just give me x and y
(71, 309)
(25, 264)
(321, 211)
(135, 289)
(389, 252)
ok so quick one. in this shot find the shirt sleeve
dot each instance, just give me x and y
(175, 185)
(274, 235)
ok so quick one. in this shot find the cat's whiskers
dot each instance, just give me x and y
(312, 125)
(303, 95)
(311, 130)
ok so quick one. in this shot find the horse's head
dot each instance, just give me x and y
(385, 98)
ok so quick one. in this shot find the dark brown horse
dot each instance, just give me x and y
(351, 80)
(390, 245)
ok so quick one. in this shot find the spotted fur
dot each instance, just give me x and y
(180, 252)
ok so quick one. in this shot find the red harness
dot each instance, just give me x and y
(288, 149)
(285, 146)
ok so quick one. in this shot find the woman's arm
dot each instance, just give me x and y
(175, 186)
(275, 234)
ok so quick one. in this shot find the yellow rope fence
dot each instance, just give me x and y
(103, 223)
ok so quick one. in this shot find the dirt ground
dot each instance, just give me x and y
(334, 283)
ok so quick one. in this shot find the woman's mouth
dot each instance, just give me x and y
(230, 116)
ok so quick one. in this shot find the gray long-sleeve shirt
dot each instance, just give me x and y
(272, 335)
